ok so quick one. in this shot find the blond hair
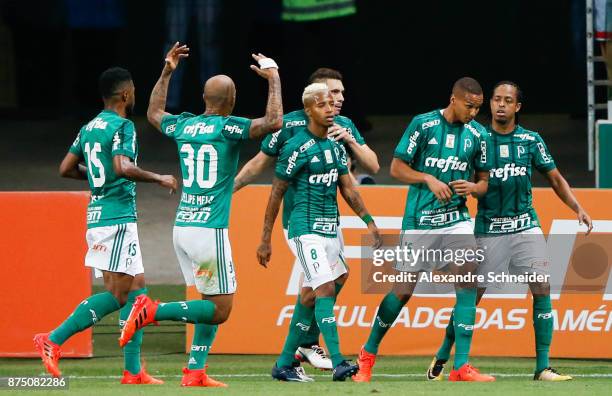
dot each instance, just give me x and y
(311, 90)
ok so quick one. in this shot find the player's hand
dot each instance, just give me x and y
(441, 190)
(337, 133)
(463, 187)
(376, 234)
(584, 218)
(168, 181)
(265, 73)
(264, 252)
(174, 56)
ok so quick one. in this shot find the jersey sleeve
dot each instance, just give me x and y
(236, 128)
(483, 161)
(290, 162)
(75, 148)
(272, 143)
(410, 143)
(169, 122)
(124, 140)
(342, 159)
(356, 134)
(541, 158)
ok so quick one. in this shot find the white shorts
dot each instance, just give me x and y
(205, 257)
(114, 248)
(319, 259)
(457, 236)
(520, 253)
(338, 270)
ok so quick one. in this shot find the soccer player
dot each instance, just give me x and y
(507, 224)
(108, 146)
(436, 156)
(208, 147)
(314, 166)
(344, 132)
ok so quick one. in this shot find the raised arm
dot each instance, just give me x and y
(124, 167)
(72, 168)
(403, 172)
(157, 101)
(252, 169)
(564, 192)
(273, 119)
(353, 199)
(264, 251)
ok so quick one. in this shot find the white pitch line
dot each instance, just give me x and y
(408, 375)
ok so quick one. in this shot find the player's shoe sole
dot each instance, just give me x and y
(49, 352)
(436, 370)
(142, 314)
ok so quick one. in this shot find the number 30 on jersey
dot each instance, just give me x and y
(195, 169)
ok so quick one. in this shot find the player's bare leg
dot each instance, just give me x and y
(388, 310)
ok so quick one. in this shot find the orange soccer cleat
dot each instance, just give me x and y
(199, 377)
(49, 353)
(142, 378)
(469, 373)
(142, 314)
(365, 361)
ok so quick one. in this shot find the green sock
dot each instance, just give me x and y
(131, 352)
(299, 326)
(449, 340)
(543, 328)
(193, 311)
(464, 318)
(388, 310)
(324, 312)
(85, 315)
(312, 337)
(203, 337)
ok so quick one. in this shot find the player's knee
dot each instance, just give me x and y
(307, 299)
(327, 289)
(403, 297)
(342, 278)
(221, 314)
(540, 288)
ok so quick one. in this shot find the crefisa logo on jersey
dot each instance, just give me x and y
(291, 162)
(324, 178)
(199, 128)
(413, 141)
(233, 129)
(445, 164)
(509, 170)
(96, 123)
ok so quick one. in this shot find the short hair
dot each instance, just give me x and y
(111, 79)
(468, 85)
(324, 73)
(311, 90)
(519, 92)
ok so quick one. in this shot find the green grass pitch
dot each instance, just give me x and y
(163, 350)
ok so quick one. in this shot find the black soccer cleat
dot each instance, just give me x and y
(288, 374)
(344, 370)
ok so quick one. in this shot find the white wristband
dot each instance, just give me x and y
(267, 63)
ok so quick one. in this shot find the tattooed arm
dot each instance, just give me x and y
(273, 119)
(353, 199)
(157, 101)
(264, 251)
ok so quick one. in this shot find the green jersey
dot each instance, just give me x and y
(447, 151)
(507, 207)
(312, 165)
(293, 122)
(113, 198)
(208, 147)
